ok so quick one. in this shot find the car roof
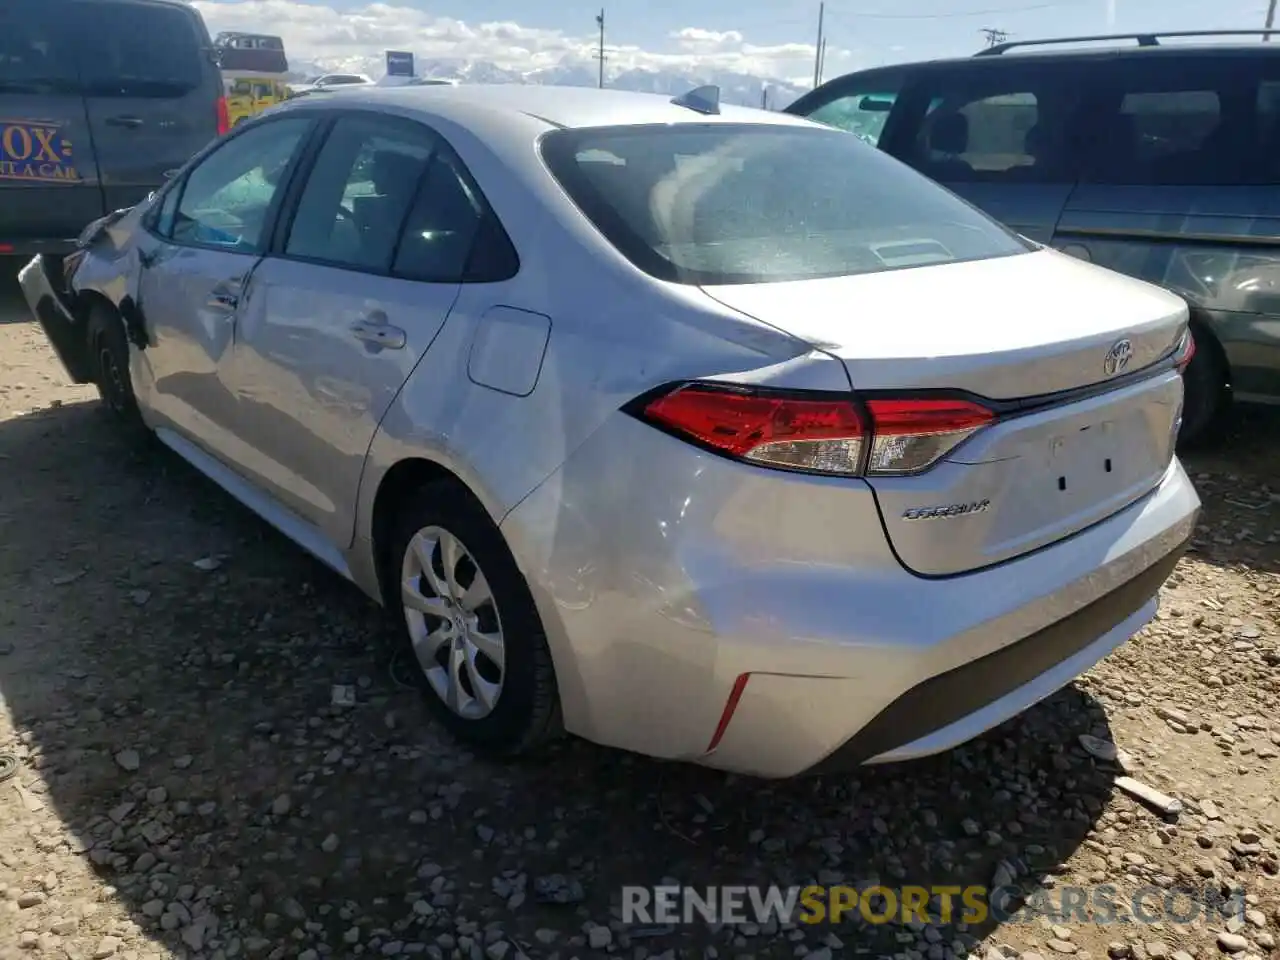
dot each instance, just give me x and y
(554, 106)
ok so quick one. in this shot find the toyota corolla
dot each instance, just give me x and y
(698, 431)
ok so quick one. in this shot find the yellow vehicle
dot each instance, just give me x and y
(249, 96)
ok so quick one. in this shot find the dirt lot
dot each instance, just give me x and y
(185, 789)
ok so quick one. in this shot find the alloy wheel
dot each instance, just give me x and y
(453, 622)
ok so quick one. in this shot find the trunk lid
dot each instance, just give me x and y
(1032, 335)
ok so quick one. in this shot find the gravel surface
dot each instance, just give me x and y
(185, 787)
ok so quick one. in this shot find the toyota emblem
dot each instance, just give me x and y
(1117, 358)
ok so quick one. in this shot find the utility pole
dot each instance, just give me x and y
(600, 52)
(1271, 19)
(995, 36)
(822, 60)
(817, 47)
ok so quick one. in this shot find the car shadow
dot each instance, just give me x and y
(170, 664)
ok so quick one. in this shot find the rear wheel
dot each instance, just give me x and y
(471, 632)
(1205, 395)
(109, 363)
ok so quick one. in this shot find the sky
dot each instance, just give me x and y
(769, 38)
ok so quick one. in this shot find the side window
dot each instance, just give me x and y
(228, 196)
(1195, 123)
(1007, 126)
(361, 189)
(451, 234)
(138, 49)
(34, 55)
(862, 111)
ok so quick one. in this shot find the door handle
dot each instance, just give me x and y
(223, 298)
(132, 122)
(379, 334)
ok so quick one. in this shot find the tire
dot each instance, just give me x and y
(525, 713)
(1205, 395)
(109, 365)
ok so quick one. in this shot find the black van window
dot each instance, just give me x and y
(1198, 122)
(34, 55)
(138, 49)
(993, 126)
(861, 106)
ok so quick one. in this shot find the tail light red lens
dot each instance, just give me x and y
(818, 434)
(1186, 350)
(224, 116)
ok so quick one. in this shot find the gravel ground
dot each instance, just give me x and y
(184, 787)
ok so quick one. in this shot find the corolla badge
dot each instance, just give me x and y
(947, 512)
(1117, 357)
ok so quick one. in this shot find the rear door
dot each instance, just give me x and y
(339, 317)
(48, 175)
(151, 90)
(1182, 188)
(998, 133)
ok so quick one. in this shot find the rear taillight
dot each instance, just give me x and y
(818, 434)
(1186, 350)
(224, 116)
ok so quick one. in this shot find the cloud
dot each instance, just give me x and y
(319, 33)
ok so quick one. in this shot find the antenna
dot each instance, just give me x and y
(700, 99)
(600, 53)
(1271, 19)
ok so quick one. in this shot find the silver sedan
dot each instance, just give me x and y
(703, 432)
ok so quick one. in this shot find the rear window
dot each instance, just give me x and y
(139, 50)
(759, 203)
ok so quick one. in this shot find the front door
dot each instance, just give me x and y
(208, 235)
(341, 313)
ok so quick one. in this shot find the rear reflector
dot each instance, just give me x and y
(730, 706)
(6, 248)
(817, 433)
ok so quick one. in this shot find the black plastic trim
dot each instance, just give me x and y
(943, 699)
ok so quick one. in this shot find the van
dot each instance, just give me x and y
(1153, 158)
(99, 101)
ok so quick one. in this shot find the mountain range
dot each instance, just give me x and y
(737, 88)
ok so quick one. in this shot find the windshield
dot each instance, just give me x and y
(758, 203)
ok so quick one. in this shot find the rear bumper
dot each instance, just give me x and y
(715, 571)
(42, 288)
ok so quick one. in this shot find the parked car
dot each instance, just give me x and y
(99, 99)
(331, 81)
(1157, 160)
(709, 433)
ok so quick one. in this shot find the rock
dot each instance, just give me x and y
(128, 760)
(1061, 946)
(1232, 942)
(599, 937)
(207, 564)
(281, 804)
(32, 898)
(497, 950)
(330, 843)
(106, 947)
(28, 940)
